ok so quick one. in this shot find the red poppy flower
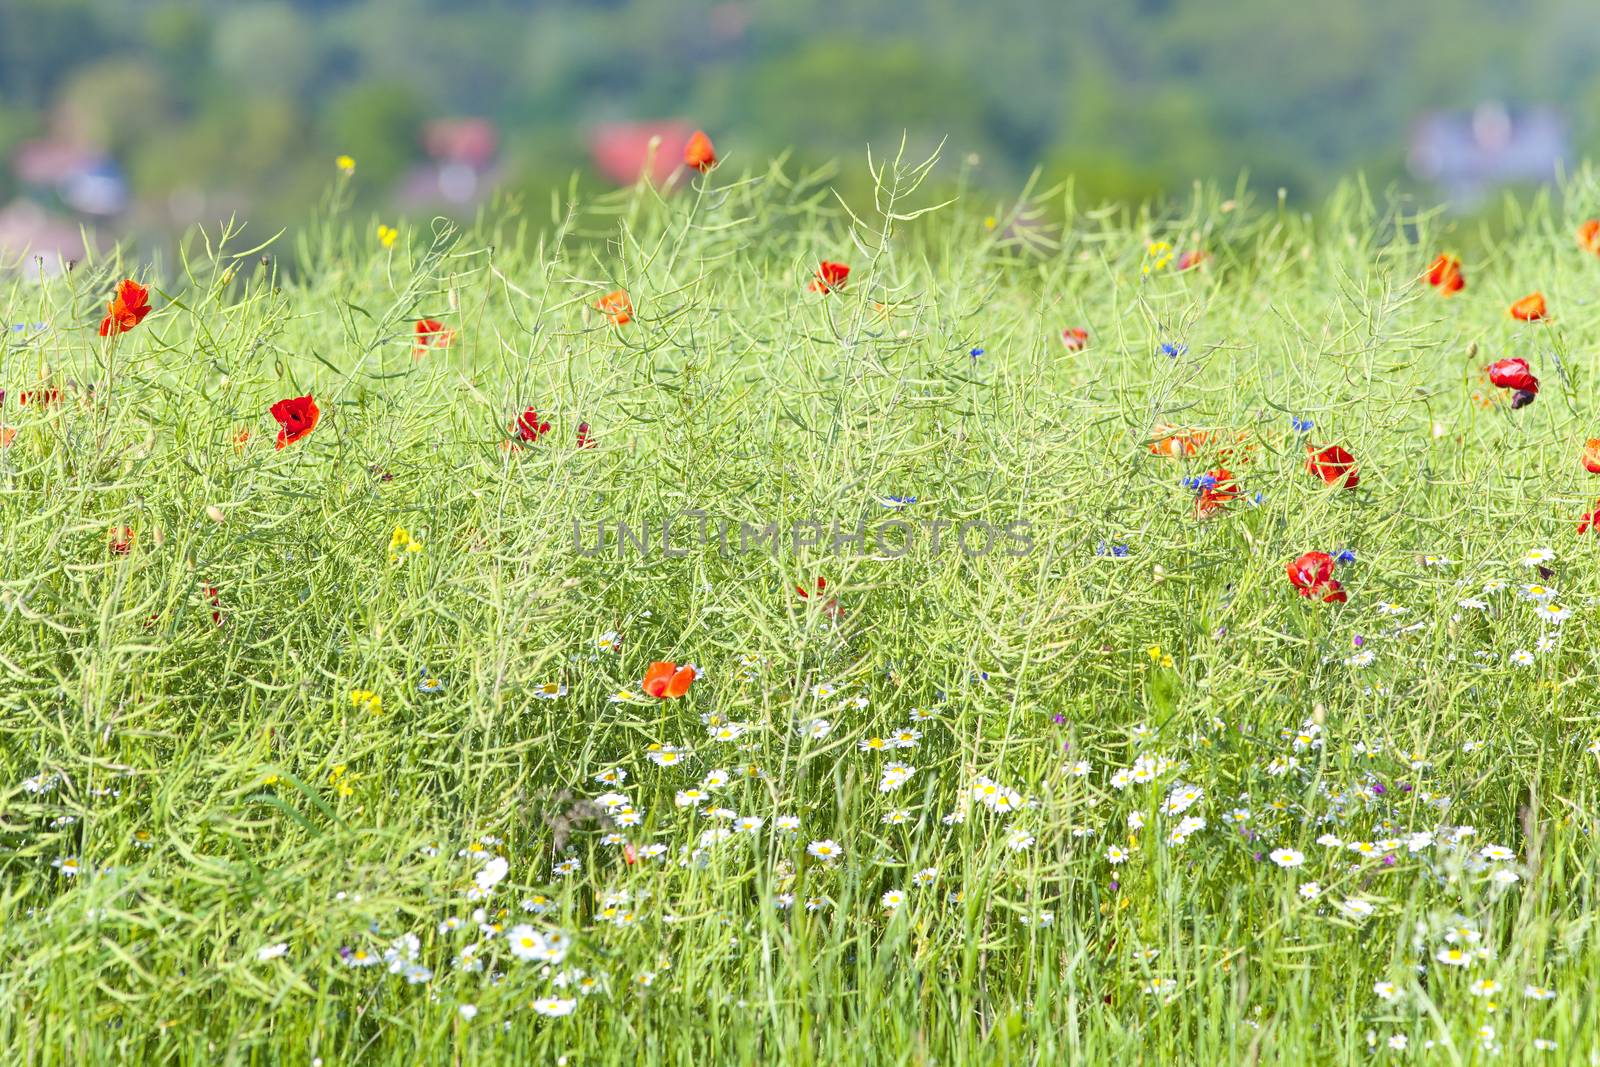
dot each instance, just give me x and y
(7, 435)
(120, 539)
(1589, 237)
(1191, 260)
(128, 308)
(528, 427)
(1591, 455)
(42, 397)
(216, 603)
(1529, 309)
(805, 594)
(1175, 443)
(584, 440)
(297, 416)
(241, 438)
(830, 276)
(1218, 490)
(1312, 576)
(1590, 520)
(699, 153)
(1514, 374)
(431, 333)
(1444, 274)
(617, 306)
(667, 681)
(1333, 465)
(1076, 338)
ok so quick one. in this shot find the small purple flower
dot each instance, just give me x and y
(1389, 860)
(1358, 640)
(1058, 718)
(1378, 790)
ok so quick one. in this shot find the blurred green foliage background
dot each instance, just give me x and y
(196, 109)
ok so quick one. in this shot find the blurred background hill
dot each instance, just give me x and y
(136, 118)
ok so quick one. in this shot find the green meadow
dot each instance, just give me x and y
(994, 729)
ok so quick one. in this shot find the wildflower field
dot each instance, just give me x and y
(723, 623)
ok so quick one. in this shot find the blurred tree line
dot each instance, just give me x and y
(248, 101)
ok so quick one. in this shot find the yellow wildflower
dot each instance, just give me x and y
(340, 783)
(401, 544)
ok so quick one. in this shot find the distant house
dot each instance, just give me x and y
(622, 151)
(83, 179)
(1470, 154)
(67, 188)
(35, 241)
(462, 155)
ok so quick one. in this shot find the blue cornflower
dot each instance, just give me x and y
(1201, 482)
(1344, 555)
(1103, 549)
(1173, 351)
(1301, 425)
(975, 353)
(897, 501)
